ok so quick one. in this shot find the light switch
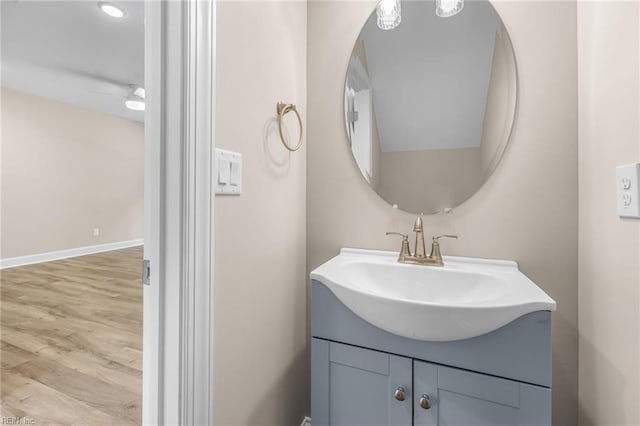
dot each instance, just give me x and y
(229, 166)
(235, 173)
(224, 171)
(628, 190)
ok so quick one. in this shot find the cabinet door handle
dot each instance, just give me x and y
(399, 394)
(424, 402)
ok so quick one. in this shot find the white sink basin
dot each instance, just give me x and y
(465, 298)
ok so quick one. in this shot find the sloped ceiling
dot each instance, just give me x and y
(430, 76)
(71, 52)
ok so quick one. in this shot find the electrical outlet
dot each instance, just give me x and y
(96, 232)
(628, 190)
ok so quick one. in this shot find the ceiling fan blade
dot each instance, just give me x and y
(106, 93)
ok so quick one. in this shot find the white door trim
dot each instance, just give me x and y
(178, 303)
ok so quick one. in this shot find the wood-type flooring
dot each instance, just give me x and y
(71, 340)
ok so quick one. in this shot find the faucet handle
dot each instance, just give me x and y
(437, 237)
(404, 236)
(405, 251)
(435, 254)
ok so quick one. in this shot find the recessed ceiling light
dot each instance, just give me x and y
(134, 104)
(111, 9)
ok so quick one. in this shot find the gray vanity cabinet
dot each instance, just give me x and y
(459, 397)
(355, 386)
(501, 378)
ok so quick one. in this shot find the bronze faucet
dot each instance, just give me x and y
(433, 259)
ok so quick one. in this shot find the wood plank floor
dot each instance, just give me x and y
(71, 340)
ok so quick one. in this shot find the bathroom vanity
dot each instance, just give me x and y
(411, 338)
(417, 365)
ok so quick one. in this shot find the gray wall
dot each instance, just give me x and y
(527, 211)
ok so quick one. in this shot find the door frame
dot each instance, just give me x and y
(179, 212)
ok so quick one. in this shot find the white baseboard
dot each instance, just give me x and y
(306, 422)
(12, 262)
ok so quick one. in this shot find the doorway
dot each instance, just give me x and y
(179, 57)
(73, 158)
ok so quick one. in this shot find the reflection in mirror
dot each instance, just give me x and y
(429, 105)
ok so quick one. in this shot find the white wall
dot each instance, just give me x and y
(260, 362)
(66, 171)
(429, 181)
(609, 286)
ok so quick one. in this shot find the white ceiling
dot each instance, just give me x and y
(70, 51)
(430, 76)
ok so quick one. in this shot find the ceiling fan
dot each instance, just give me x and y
(133, 99)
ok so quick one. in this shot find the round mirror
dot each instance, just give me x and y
(430, 103)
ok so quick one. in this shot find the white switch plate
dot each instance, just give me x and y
(628, 191)
(229, 176)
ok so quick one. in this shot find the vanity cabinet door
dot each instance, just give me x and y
(352, 386)
(459, 397)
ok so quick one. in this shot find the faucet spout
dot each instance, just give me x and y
(419, 251)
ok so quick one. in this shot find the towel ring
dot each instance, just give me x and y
(283, 109)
